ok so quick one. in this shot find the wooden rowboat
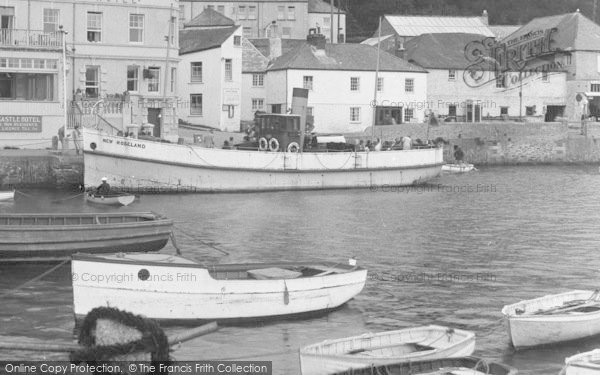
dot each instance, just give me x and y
(553, 318)
(411, 344)
(42, 237)
(7, 195)
(112, 199)
(458, 168)
(587, 363)
(445, 366)
(168, 287)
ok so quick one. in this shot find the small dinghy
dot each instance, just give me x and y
(587, 363)
(169, 287)
(458, 168)
(553, 318)
(7, 195)
(374, 349)
(110, 199)
(445, 366)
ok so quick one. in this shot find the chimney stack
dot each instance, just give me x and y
(274, 48)
(484, 17)
(316, 40)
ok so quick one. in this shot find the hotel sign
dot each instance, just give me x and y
(20, 124)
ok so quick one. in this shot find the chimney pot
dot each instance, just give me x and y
(317, 40)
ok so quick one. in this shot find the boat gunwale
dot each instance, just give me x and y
(150, 220)
(529, 316)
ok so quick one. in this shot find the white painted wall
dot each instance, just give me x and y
(331, 97)
(250, 92)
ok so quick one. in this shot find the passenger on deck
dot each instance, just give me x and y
(397, 144)
(231, 146)
(226, 145)
(368, 146)
(458, 154)
(104, 188)
(406, 143)
(378, 145)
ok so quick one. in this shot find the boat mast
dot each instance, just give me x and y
(374, 103)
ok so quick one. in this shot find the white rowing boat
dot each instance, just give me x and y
(7, 195)
(168, 287)
(374, 349)
(110, 199)
(458, 168)
(553, 318)
(587, 363)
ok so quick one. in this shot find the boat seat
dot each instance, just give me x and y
(273, 273)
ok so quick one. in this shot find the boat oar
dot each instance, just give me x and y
(34, 345)
(67, 198)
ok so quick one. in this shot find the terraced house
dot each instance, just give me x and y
(120, 66)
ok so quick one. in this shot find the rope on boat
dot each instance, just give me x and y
(174, 242)
(195, 238)
(153, 338)
(11, 291)
(24, 194)
(482, 362)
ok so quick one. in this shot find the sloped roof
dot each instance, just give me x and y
(418, 25)
(195, 40)
(264, 46)
(252, 60)
(502, 31)
(320, 6)
(209, 17)
(440, 51)
(574, 31)
(373, 41)
(341, 57)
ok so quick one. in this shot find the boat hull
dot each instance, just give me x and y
(7, 195)
(37, 237)
(458, 168)
(133, 165)
(587, 363)
(536, 330)
(188, 293)
(112, 200)
(322, 358)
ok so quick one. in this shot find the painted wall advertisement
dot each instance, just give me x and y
(20, 124)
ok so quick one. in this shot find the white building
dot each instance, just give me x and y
(254, 94)
(341, 83)
(210, 78)
(322, 17)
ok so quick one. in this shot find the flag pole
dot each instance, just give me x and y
(374, 103)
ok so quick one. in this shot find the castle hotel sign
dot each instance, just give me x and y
(20, 124)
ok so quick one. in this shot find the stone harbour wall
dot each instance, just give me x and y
(40, 168)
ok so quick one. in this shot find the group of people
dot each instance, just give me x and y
(76, 134)
(229, 144)
(400, 143)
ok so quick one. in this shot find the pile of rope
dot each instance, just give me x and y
(153, 339)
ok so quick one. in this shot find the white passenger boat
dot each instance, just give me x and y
(458, 168)
(7, 195)
(374, 349)
(553, 318)
(168, 287)
(132, 164)
(587, 363)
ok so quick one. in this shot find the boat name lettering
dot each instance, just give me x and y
(131, 144)
(107, 140)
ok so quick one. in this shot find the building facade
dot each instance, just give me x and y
(325, 18)
(210, 78)
(119, 64)
(258, 18)
(254, 94)
(341, 80)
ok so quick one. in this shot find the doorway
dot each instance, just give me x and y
(154, 115)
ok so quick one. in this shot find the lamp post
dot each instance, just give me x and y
(64, 53)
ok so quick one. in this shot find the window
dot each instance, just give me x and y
(354, 114)
(545, 76)
(248, 32)
(281, 12)
(230, 111)
(500, 81)
(286, 32)
(181, 16)
(408, 114)
(379, 84)
(228, 70)
(451, 75)
(136, 28)
(530, 111)
(310, 111)
(258, 80)
(210, 7)
(252, 12)
(595, 87)
(51, 20)
(221, 9)
(92, 81)
(452, 110)
(409, 85)
(173, 78)
(94, 27)
(242, 12)
(237, 40)
(291, 13)
(196, 104)
(196, 68)
(32, 87)
(153, 79)
(503, 111)
(132, 78)
(354, 83)
(307, 82)
(258, 105)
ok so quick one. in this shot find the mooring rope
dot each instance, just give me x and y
(11, 291)
(195, 238)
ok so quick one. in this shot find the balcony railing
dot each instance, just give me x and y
(30, 38)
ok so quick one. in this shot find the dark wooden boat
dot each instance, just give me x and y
(43, 237)
(446, 366)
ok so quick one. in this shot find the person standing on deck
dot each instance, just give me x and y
(104, 188)
(458, 154)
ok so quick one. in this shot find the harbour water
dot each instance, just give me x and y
(452, 252)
